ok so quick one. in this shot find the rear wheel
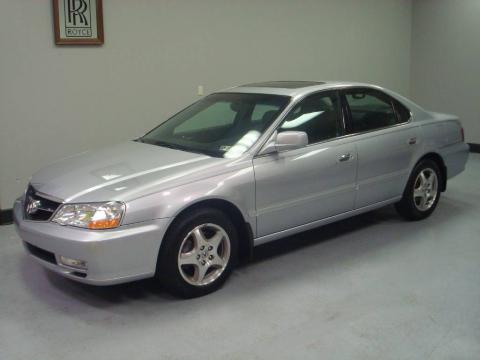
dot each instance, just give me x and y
(198, 253)
(422, 192)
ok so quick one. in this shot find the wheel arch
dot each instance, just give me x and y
(437, 158)
(244, 228)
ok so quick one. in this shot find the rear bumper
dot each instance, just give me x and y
(112, 256)
(455, 157)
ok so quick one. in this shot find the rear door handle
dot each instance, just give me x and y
(412, 141)
(345, 157)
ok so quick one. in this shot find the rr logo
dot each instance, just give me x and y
(77, 11)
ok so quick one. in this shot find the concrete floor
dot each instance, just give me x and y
(371, 287)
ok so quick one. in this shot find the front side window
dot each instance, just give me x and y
(369, 110)
(220, 125)
(318, 115)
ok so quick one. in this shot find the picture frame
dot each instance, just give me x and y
(78, 22)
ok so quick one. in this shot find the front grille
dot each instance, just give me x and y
(41, 254)
(37, 207)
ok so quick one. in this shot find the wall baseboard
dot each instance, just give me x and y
(6, 217)
(474, 148)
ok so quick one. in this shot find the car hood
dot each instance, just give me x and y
(119, 172)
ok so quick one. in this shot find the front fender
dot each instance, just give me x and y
(236, 187)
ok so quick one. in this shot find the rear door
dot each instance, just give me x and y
(385, 144)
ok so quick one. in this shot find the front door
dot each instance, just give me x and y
(300, 186)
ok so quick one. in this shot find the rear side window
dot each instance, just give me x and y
(403, 114)
(369, 110)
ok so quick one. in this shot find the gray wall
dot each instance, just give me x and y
(56, 101)
(446, 59)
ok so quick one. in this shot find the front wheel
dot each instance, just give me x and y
(422, 192)
(198, 253)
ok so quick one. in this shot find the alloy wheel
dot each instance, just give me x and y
(204, 254)
(425, 190)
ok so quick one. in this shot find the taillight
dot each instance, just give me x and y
(463, 133)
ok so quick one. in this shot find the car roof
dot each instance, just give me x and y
(294, 88)
(284, 84)
(299, 89)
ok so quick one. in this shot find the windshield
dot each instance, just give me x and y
(220, 125)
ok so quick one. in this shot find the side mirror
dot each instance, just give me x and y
(286, 140)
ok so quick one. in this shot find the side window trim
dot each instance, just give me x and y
(342, 119)
(347, 114)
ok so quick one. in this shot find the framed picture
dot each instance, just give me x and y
(78, 22)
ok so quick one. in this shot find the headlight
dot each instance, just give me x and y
(95, 216)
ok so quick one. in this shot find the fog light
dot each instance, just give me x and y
(75, 263)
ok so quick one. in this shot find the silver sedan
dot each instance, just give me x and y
(236, 169)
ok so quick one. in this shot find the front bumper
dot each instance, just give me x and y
(112, 256)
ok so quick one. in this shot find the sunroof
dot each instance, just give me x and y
(285, 84)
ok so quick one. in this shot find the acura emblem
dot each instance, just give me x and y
(33, 205)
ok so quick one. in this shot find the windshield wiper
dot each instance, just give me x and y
(179, 147)
(184, 148)
(169, 145)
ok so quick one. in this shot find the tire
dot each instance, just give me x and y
(422, 193)
(198, 253)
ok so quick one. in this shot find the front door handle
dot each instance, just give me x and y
(345, 157)
(412, 141)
